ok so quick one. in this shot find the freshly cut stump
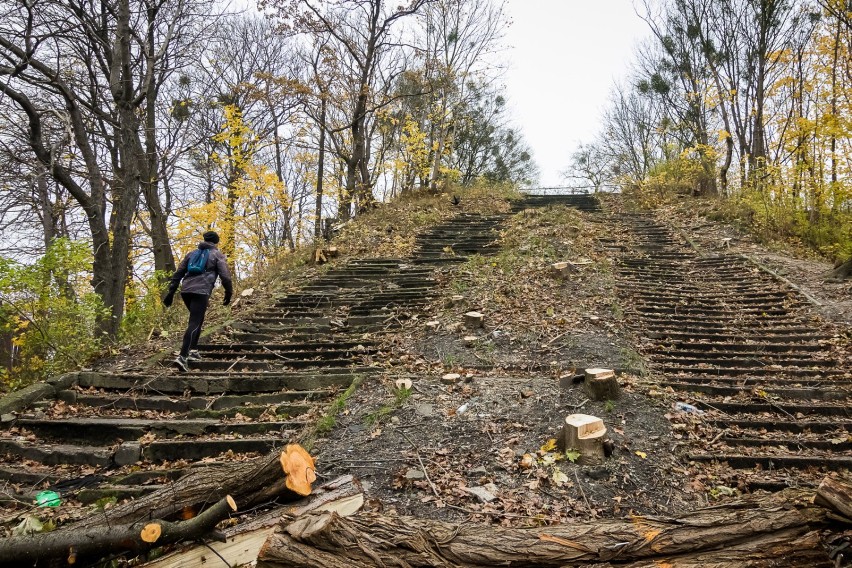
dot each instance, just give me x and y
(585, 434)
(601, 384)
(473, 320)
(450, 378)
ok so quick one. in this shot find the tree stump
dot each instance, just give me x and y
(601, 384)
(473, 320)
(562, 269)
(585, 434)
(450, 378)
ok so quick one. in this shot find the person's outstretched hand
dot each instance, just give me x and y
(170, 297)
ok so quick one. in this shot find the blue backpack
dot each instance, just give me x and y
(198, 262)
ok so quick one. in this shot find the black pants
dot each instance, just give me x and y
(197, 306)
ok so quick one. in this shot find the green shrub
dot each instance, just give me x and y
(49, 309)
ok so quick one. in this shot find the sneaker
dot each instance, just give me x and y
(194, 355)
(181, 364)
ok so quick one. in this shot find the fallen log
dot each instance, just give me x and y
(290, 473)
(777, 530)
(842, 271)
(137, 536)
(249, 483)
(343, 495)
(778, 550)
(836, 495)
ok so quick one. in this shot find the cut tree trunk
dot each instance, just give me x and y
(601, 384)
(289, 474)
(777, 530)
(249, 483)
(137, 536)
(242, 542)
(836, 495)
(585, 434)
(473, 320)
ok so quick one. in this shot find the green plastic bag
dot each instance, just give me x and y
(48, 499)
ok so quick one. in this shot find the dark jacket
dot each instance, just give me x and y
(217, 265)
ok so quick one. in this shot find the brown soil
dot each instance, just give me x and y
(508, 403)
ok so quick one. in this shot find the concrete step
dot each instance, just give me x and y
(237, 383)
(105, 431)
(179, 404)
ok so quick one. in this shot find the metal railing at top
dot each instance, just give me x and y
(555, 190)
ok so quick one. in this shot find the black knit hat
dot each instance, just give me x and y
(211, 237)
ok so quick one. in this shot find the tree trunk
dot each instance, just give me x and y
(249, 483)
(320, 170)
(164, 258)
(287, 212)
(106, 539)
(48, 218)
(288, 474)
(344, 204)
(438, 154)
(843, 271)
(778, 530)
(241, 543)
(836, 495)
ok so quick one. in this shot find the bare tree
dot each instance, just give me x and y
(462, 37)
(677, 72)
(91, 69)
(590, 169)
(366, 46)
(631, 136)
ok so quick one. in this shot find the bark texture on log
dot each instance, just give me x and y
(843, 271)
(836, 495)
(776, 550)
(242, 542)
(249, 483)
(750, 530)
(137, 536)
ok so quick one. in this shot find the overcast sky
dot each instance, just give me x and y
(565, 55)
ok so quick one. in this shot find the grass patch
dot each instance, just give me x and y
(327, 423)
(400, 396)
(634, 362)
